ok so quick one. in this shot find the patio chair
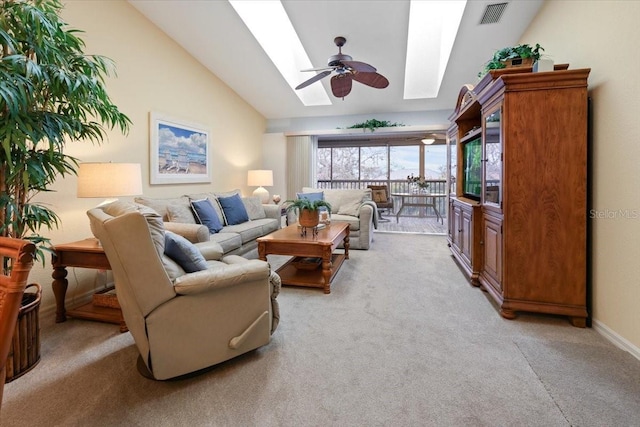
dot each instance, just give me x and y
(382, 199)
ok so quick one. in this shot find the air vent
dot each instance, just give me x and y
(493, 13)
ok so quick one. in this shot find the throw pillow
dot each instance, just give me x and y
(206, 215)
(234, 210)
(350, 208)
(311, 196)
(254, 207)
(180, 213)
(183, 252)
(379, 196)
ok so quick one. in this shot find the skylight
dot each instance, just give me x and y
(433, 26)
(270, 25)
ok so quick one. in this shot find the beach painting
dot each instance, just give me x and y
(179, 151)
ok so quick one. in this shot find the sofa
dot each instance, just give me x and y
(235, 234)
(354, 206)
(186, 305)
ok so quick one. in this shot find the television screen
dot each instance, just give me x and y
(472, 168)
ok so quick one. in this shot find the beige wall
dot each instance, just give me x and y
(603, 36)
(153, 74)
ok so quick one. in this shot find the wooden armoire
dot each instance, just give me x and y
(518, 204)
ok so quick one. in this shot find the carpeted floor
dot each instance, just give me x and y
(402, 340)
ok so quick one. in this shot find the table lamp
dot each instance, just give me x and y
(109, 180)
(260, 178)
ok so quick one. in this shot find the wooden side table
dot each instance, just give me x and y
(85, 254)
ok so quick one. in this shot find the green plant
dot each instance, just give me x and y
(372, 124)
(523, 51)
(312, 205)
(50, 93)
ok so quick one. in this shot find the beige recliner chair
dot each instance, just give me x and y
(183, 322)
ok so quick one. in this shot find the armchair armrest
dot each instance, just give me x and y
(367, 210)
(195, 233)
(210, 250)
(234, 274)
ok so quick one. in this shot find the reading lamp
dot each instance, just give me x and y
(260, 178)
(109, 180)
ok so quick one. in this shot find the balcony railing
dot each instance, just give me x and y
(436, 186)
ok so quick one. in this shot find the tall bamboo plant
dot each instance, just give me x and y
(50, 93)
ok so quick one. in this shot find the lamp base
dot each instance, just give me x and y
(263, 194)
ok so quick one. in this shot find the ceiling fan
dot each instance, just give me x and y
(346, 70)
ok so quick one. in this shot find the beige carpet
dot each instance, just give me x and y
(402, 340)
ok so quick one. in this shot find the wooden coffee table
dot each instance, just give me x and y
(314, 263)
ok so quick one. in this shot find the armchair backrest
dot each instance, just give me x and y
(132, 237)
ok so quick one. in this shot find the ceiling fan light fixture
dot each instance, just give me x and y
(428, 141)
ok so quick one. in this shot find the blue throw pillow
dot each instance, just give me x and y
(311, 196)
(206, 215)
(234, 210)
(183, 252)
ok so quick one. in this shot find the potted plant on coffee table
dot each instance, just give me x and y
(308, 211)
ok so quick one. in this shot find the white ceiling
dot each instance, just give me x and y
(376, 33)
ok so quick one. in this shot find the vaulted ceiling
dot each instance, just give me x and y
(376, 33)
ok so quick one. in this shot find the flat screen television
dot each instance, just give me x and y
(472, 168)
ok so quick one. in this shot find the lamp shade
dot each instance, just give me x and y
(109, 180)
(260, 178)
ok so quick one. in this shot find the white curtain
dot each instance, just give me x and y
(301, 163)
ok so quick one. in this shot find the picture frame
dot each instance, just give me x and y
(180, 151)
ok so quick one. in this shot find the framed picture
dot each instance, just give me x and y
(180, 151)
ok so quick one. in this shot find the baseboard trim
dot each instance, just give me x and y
(616, 339)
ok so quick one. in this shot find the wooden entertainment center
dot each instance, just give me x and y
(518, 205)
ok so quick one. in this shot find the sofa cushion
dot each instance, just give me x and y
(160, 205)
(354, 221)
(254, 207)
(339, 197)
(180, 213)
(206, 215)
(233, 209)
(185, 253)
(228, 241)
(351, 207)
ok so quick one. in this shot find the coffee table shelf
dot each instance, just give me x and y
(289, 241)
(294, 276)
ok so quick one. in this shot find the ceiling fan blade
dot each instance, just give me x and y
(360, 67)
(319, 69)
(372, 79)
(313, 79)
(341, 85)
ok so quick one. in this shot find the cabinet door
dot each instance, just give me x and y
(466, 235)
(492, 174)
(492, 242)
(456, 222)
